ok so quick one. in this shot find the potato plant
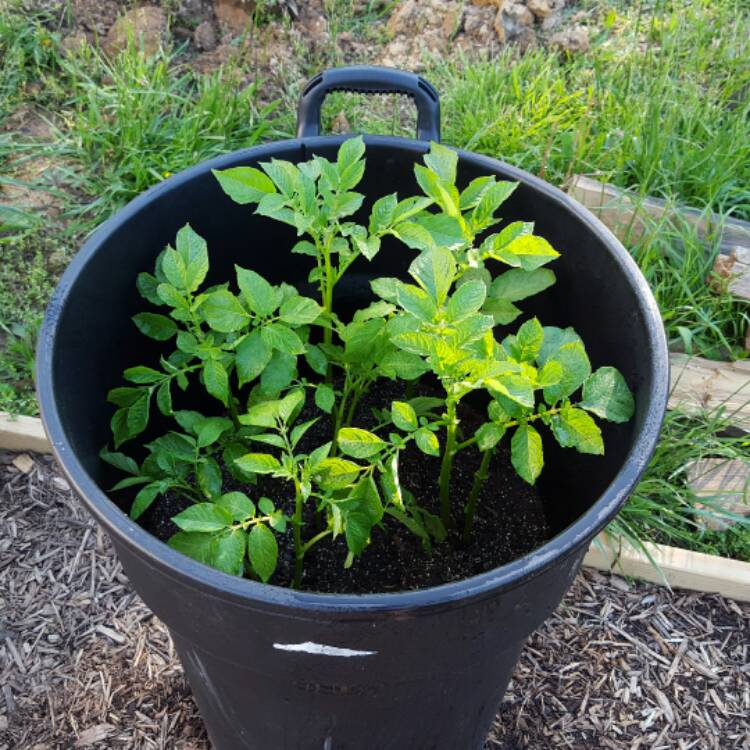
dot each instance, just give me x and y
(276, 362)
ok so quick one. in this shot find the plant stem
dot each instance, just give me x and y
(471, 505)
(447, 465)
(233, 412)
(299, 549)
(310, 542)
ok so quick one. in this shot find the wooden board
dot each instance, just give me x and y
(701, 386)
(724, 484)
(19, 433)
(678, 568)
(631, 217)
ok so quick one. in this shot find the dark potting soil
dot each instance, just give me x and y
(510, 520)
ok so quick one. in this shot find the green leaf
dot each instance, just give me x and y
(502, 311)
(316, 359)
(446, 231)
(147, 285)
(606, 394)
(223, 312)
(403, 365)
(164, 398)
(262, 298)
(279, 373)
(262, 551)
(528, 251)
(216, 380)
(263, 414)
(489, 435)
(229, 552)
(155, 326)
(466, 300)
(145, 498)
(492, 198)
(410, 207)
(305, 247)
(258, 463)
(434, 271)
(549, 375)
(414, 236)
(440, 190)
(575, 369)
(574, 428)
(299, 431)
(526, 453)
(278, 336)
(386, 288)
(514, 387)
(427, 441)
(300, 310)
(252, 356)
(197, 546)
(190, 421)
(239, 505)
(266, 506)
(119, 461)
(193, 251)
(404, 416)
(291, 404)
(518, 284)
(359, 443)
(203, 517)
(210, 429)
(143, 375)
(417, 302)
(336, 473)
(357, 530)
(209, 476)
(529, 340)
(473, 192)
(244, 184)
(383, 211)
(442, 160)
(325, 398)
(170, 296)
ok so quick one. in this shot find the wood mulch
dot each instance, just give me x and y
(84, 664)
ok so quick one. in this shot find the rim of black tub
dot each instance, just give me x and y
(129, 533)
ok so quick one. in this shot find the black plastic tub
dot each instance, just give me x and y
(277, 669)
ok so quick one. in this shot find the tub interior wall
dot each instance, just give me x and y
(97, 341)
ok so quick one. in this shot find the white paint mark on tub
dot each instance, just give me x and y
(321, 650)
(328, 744)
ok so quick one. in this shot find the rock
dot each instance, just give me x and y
(234, 15)
(544, 8)
(573, 41)
(552, 21)
(146, 25)
(24, 463)
(97, 16)
(204, 36)
(192, 12)
(208, 62)
(419, 27)
(516, 16)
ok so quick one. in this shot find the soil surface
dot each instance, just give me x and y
(85, 664)
(510, 519)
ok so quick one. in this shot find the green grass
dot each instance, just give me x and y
(661, 105)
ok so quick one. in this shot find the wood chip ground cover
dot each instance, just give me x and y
(83, 662)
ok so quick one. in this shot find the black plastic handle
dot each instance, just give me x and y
(370, 79)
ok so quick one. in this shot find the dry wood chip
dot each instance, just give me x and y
(619, 666)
